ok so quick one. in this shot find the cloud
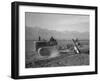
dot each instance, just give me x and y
(58, 22)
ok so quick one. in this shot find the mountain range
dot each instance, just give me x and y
(33, 33)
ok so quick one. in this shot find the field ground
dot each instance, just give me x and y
(64, 59)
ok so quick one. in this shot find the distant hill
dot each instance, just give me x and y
(33, 34)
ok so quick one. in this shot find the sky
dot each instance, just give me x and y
(58, 22)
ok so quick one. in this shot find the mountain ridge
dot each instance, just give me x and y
(33, 34)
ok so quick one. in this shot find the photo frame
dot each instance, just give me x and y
(52, 40)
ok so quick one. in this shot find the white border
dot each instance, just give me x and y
(68, 69)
